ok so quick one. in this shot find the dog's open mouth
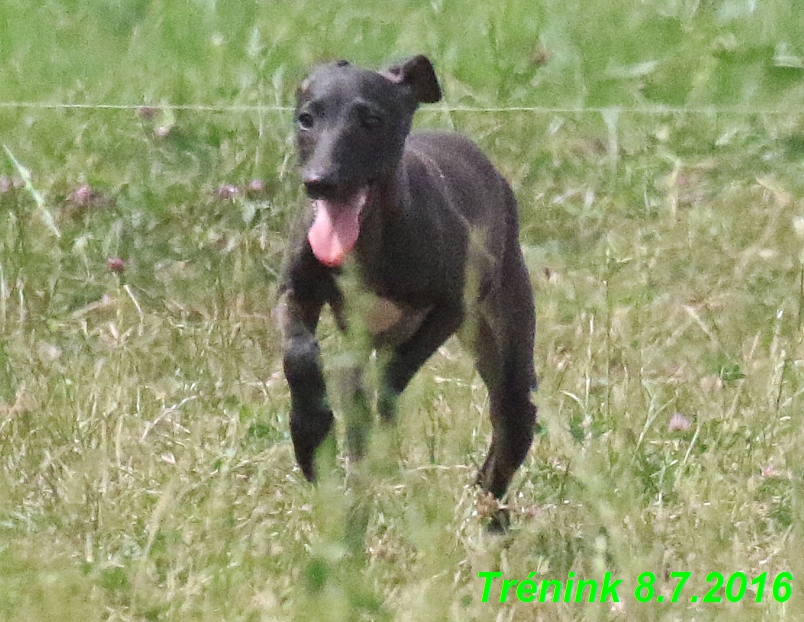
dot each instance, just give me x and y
(336, 226)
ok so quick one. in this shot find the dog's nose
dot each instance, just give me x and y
(319, 184)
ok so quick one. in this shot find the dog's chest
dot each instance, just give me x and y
(389, 322)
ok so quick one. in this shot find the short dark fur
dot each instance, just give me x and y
(439, 214)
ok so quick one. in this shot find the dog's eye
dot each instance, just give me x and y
(305, 121)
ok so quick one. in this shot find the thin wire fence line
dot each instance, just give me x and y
(646, 110)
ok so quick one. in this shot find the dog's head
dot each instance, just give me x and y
(351, 129)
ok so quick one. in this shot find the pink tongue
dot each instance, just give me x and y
(336, 227)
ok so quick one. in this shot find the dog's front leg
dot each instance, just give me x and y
(406, 359)
(310, 415)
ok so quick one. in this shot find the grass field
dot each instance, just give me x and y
(146, 471)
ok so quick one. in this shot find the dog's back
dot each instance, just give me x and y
(452, 175)
(458, 167)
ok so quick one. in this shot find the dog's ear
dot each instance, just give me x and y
(418, 74)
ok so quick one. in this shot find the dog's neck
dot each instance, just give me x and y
(390, 203)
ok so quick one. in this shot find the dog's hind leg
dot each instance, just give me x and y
(504, 351)
(513, 415)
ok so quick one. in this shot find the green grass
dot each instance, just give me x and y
(146, 471)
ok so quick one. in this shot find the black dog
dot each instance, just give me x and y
(433, 228)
